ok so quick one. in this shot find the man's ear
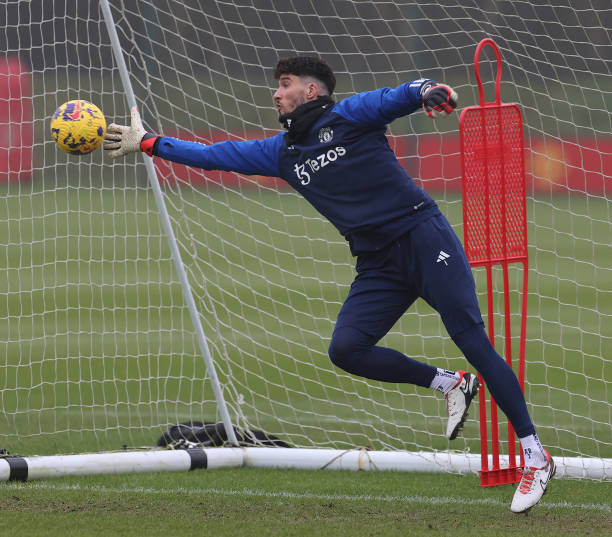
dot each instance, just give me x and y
(312, 91)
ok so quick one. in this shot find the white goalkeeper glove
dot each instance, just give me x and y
(121, 140)
(438, 99)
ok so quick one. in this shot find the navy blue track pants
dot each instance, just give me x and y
(428, 262)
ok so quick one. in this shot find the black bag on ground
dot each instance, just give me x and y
(207, 434)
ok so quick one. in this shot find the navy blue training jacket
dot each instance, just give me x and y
(344, 166)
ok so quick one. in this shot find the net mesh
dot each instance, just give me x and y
(98, 349)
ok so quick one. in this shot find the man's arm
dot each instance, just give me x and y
(382, 106)
(253, 157)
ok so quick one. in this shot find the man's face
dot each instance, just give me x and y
(292, 92)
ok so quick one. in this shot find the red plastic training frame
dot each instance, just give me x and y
(495, 233)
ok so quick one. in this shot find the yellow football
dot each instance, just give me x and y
(78, 127)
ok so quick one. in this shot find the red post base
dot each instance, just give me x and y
(500, 476)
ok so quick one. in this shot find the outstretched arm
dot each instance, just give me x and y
(253, 157)
(382, 106)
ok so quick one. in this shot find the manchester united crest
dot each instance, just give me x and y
(325, 135)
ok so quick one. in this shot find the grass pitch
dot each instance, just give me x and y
(99, 350)
(85, 369)
(252, 502)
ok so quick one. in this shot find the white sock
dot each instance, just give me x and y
(445, 380)
(533, 451)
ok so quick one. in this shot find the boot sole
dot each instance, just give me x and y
(469, 397)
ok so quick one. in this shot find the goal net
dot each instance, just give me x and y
(98, 349)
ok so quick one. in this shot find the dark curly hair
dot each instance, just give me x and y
(307, 66)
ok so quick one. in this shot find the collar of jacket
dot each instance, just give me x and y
(299, 121)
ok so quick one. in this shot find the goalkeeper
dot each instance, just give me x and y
(337, 156)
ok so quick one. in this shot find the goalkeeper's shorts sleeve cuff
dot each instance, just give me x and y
(149, 144)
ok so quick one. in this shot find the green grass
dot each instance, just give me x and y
(257, 502)
(98, 351)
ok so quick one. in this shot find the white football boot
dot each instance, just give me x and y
(458, 402)
(532, 486)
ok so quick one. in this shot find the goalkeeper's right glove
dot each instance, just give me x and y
(121, 140)
(438, 99)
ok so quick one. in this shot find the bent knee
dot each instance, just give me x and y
(345, 344)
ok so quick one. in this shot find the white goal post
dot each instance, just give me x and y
(139, 294)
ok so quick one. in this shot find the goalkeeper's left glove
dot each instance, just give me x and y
(121, 140)
(438, 99)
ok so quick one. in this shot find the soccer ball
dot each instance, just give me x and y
(78, 127)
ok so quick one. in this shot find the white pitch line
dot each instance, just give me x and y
(443, 500)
